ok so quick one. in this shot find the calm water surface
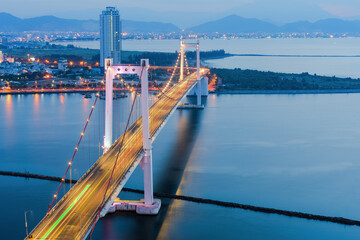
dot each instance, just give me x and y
(293, 152)
(329, 66)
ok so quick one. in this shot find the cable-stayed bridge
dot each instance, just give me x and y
(94, 195)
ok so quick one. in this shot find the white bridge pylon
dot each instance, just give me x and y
(149, 206)
(183, 47)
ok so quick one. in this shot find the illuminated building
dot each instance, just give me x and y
(10, 60)
(4, 41)
(62, 65)
(110, 36)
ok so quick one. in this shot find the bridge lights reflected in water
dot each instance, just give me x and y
(36, 103)
(133, 94)
(61, 97)
(9, 110)
(8, 101)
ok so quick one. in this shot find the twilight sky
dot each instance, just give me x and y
(188, 12)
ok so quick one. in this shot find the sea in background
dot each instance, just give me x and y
(291, 152)
(338, 56)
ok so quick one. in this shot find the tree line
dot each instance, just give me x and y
(238, 79)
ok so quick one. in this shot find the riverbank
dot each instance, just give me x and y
(93, 55)
(63, 90)
(239, 81)
(47, 91)
(294, 55)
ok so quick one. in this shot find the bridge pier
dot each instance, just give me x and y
(146, 162)
(198, 85)
(182, 57)
(137, 206)
(108, 104)
(150, 206)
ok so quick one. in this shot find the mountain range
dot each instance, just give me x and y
(237, 24)
(10, 23)
(229, 24)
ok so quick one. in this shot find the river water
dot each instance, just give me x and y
(337, 54)
(292, 152)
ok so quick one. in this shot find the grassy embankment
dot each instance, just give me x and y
(238, 80)
(93, 55)
(86, 54)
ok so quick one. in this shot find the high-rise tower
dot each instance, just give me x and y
(110, 36)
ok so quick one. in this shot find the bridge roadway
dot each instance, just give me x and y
(73, 216)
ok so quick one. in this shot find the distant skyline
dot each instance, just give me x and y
(187, 13)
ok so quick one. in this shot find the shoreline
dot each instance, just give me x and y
(48, 91)
(292, 55)
(57, 91)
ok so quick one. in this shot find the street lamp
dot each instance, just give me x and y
(26, 224)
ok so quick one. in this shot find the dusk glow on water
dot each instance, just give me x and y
(258, 158)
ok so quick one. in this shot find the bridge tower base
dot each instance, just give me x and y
(138, 206)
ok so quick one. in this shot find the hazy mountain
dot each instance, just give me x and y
(269, 11)
(330, 25)
(229, 24)
(179, 18)
(235, 24)
(137, 26)
(9, 23)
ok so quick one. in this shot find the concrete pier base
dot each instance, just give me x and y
(138, 206)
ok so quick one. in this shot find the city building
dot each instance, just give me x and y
(10, 59)
(1, 57)
(4, 41)
(110, 36)
(62, 65)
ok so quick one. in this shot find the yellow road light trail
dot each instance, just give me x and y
(66, 211)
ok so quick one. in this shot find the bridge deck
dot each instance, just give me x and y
(84, 198)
